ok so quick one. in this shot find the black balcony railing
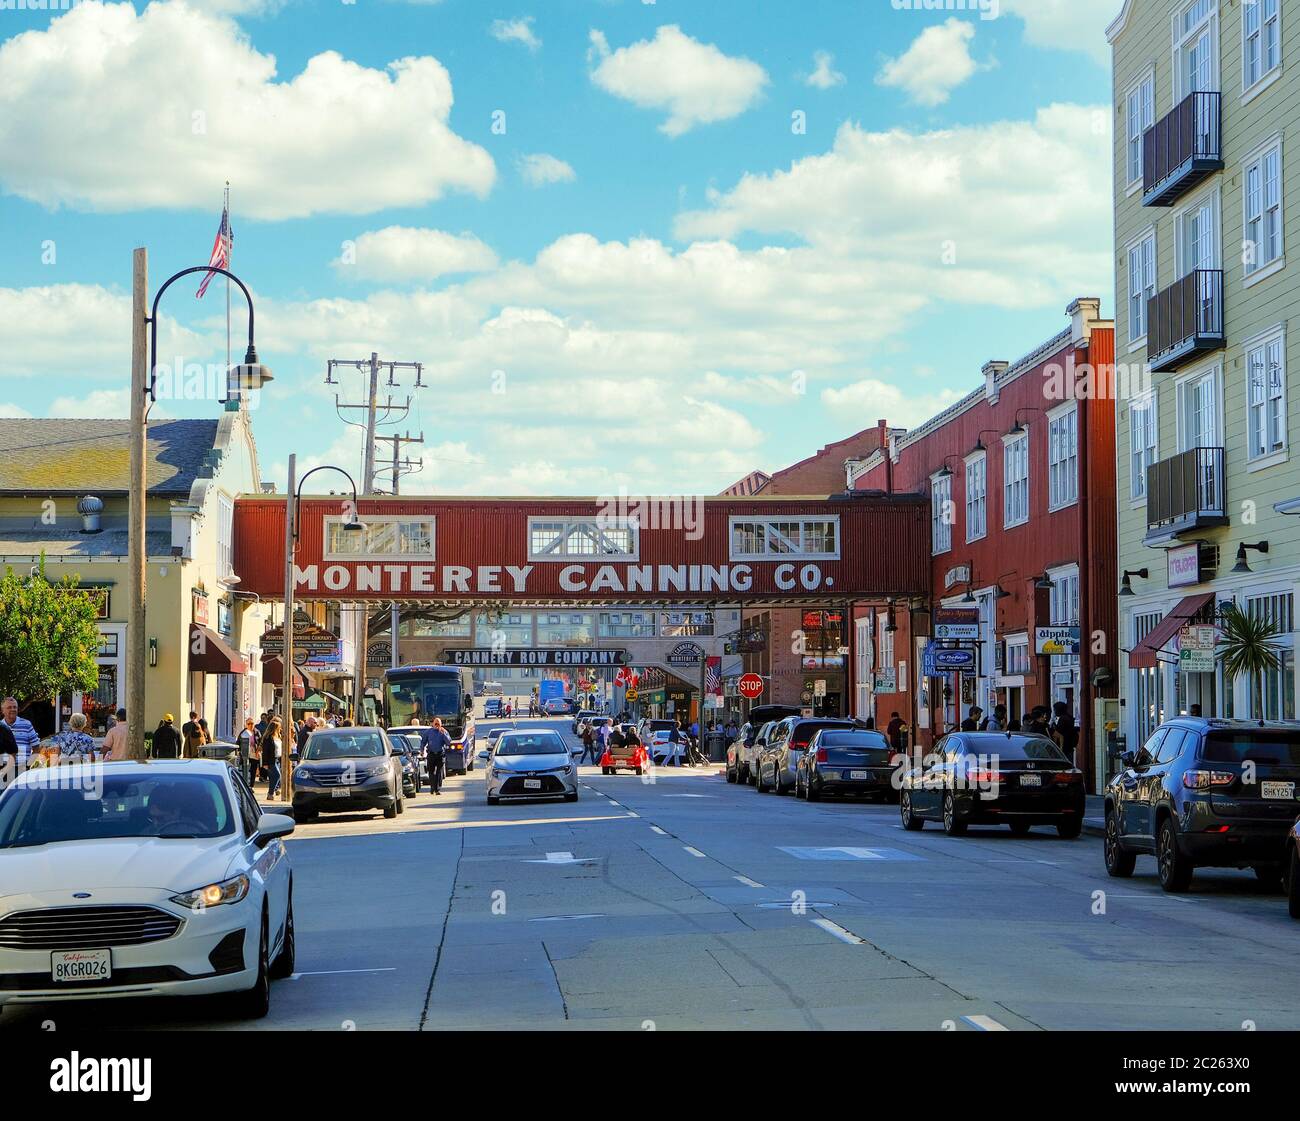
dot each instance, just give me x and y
(1181, 149)
(1185, 491)
(1185, 319)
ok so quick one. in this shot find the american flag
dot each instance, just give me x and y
(713, 677)
(220, 251)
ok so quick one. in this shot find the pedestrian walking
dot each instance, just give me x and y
(166, 739)
(272, 747)
(998, 721)
(73, 743)
(21, 728)
(246, 741)
(894, 731)
(114, 747)
(972, 721)
(589, 743)
(435, 741)
(191, 737)
(1064, 731)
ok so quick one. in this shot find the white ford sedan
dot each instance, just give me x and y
(142, 879)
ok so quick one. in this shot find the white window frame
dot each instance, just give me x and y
(1212, 197)
(1143, 415)
(1181, 39)
(771, 520)
(1144, 92)
(1258, 160)
(1021, 665)
(370, 521)
(976, 496)
(1011, 482)
(225, 537)
(1267, 74)
(1257, 457)
(1181, 387)
(559, 553)
(1064, 607)
(940, 509)
(1056, 498)
(1145, 250)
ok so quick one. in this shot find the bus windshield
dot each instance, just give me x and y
(423, 698)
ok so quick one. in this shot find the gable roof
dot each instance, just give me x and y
(56, 456)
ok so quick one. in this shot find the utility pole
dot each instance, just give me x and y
(139, 498)
(287, 658)
(401, 466)
(370, 367)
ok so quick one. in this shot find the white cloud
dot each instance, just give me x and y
(824, 76)
(936, 63)
(182, 101)
(516, 31)
(401, 253)
(99, 403)
(876, 398)
(935, 214)
(539, 169)
(12, 412)
(694, 82)
(1068, 25)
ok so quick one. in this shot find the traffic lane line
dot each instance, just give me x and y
(984, 1023)
(835, 930)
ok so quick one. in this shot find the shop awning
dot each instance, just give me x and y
(210, 653)
(273, 674)
(1144, 654)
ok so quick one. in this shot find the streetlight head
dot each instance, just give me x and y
(1241, 566)
(250, 374)
(354, 526)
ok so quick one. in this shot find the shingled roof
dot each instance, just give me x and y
(54, 456)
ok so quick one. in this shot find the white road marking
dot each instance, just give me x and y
(748, 882)
(333, 972)
(690, 795)
(692, 851)
(834, 928)
(661, 832)
(562, 858)
(566, 918)
(631, 814)
(985, 1023)
(1022, 860)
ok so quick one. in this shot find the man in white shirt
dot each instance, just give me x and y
(24, 734)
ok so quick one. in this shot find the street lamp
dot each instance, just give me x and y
(144, 360)
(293, 504)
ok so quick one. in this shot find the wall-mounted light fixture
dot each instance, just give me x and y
(1241, 566)
(1126, 586)
(153, 652)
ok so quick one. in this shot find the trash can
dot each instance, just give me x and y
(716, 745)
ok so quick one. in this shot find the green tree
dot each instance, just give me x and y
(48, 636)
(1248, 647)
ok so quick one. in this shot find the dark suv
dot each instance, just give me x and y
(1214, 793)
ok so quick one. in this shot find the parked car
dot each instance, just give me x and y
(1292, 867)
(458, 758)
(408, 751)
(531, 764)
(740, 752)
(994, 778)
(1206, 792)
(582, 716)
(839, 761)
(196, 896)
(786, 742)
(754, 749)
(345, 770)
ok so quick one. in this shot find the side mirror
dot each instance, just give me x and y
(1128, 758)
(270, 826)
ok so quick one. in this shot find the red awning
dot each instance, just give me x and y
(1143, 655)
(273, 674)
(209, 652)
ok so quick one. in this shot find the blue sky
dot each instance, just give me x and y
(652, 245)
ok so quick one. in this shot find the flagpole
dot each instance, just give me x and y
(229, 254)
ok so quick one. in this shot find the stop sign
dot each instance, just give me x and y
(750, 686)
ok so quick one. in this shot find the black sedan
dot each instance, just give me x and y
(994, 778)
(846, 762)
(406, 750)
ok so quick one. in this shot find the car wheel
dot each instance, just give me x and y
(731, 775)
(1068, 828)
(639, 770)
(493, 800)
(572, 797)
(759, 784)
(1020, 828)
(777, 788)
(254, 1003)
(814, 795)
(1119, 863)
(1293, 884)
(1174, 868)
(391, 811)
(283, 965)
(1270, 875)
(952, 824)
(303, 817)
(911, 822)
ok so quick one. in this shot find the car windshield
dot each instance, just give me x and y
(340, 745)
(538, 743)
(1040, 750)
(166, 805)
(424, 698)
(860, 741)
(1261, 746)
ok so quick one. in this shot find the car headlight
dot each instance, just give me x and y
(214, 895)
(497, 772)
(378, 770)
(302, 774)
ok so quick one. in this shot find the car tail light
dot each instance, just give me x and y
(823, 756)
(1068, 776)
(984, 778)
(1204, 780)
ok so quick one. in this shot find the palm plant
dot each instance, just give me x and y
(1248, 646)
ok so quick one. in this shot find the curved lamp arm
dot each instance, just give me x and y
(297, 498)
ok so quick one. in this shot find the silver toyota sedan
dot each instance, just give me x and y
(531, 764)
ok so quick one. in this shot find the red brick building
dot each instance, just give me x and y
(1021, 478)
(803, 647)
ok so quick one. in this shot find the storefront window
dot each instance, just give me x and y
(677, 624)
(626, 624)
(515, 629)
(565, 629)
(1279, 684)
(431, 628)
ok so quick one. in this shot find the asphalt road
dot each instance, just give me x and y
(685, 902)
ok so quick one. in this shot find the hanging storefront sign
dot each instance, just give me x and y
(939, 660)
(379, 654)
(529, 656)
(685, 654)
(956, 623)
(1056, 640)
(886, 681)
(1185, 565)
